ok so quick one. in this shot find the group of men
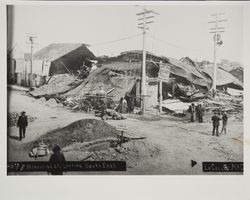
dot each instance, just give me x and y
(126, 104)
(216, 122)
(198, 111)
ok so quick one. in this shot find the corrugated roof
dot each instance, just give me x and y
(185, 66)
(56, 50)
(223, 77)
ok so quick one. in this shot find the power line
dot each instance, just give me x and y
(173, 45)
(117, 40)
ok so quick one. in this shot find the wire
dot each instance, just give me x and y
(117, 40)
(171, 44)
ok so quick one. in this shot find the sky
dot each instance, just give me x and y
(178, 31)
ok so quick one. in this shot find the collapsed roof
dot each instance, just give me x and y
(224, 78)
(62, 58)
(179, 70)
(183, 71)
(189, 61)
(120, 76)
(131, 56)
(120, 73)
(58, 50)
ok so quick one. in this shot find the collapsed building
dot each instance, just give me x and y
(56, 58)
(61, 58)
(55, 66)
(121, 75)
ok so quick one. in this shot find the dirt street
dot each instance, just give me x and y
(179, 141)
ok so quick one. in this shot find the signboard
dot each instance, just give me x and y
(164, 72)
(121, 128)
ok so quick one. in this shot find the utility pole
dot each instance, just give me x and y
(31, 42)
(217, 42)
(146, 17)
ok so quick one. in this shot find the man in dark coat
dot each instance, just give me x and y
(57, 158)
(103, 108)
(130, 102)
(216, 123)
(191, 110)
(22, 123)
(200, 113)
(197, 113)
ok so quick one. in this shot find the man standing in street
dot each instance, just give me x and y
(130, 101)
(103, 108)
(216, 123)
(224, 122)
(22, 123)
(200, 113)
(192, 111)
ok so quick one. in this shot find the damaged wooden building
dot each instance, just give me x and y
(56, 58)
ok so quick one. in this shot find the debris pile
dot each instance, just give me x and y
(233, 105)
(91, 139)
(57, 84)
(85, 130)
(40, 150)
(174, 106)
(13, 117)
(188, 93)
(120, 77)
(85, 103)
(113, 115)
(131, 152)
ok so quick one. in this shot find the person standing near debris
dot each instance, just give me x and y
(101, 91)
(192, 111)
(200, 113)
(22, 123)
(197, 113)
(124, 105)
(58, 158)
(224, 122)
(130, 102)
(216, 123)
(103, 108)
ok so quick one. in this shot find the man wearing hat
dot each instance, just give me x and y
(191, 110)
(57, 158)
(22, 123)
(216, 123)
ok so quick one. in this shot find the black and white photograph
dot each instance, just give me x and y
(125, 89)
